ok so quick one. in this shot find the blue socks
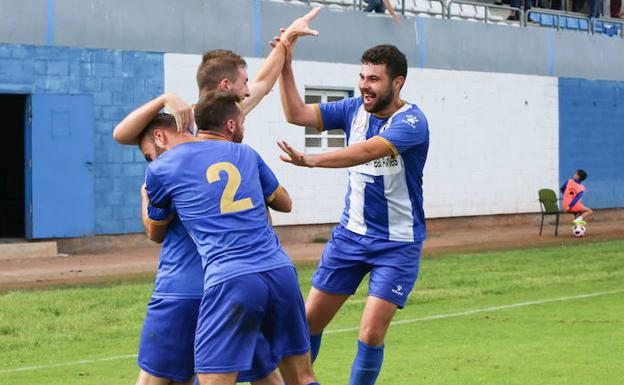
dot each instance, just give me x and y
(315, 345)
(367, 364)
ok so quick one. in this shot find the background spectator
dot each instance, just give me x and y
(594, 7)
(516, 4)
(616, 6)
(380, 6)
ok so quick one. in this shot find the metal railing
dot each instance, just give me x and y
(523, 19)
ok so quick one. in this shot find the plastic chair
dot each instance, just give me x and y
(535, 17)
(547, 21)
(583, 25)
(572, 23)
(548, 206)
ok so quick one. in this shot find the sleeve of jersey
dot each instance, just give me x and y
(576, 199)
(159, 210)
(405, 134)
(333, 115)
(268, 180)
(563, 186)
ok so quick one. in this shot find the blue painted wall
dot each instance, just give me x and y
(591, 137)
(118, 81)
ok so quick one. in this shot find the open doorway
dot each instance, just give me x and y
(12, 109)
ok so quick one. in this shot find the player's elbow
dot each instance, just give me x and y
(281, 201)
(287, 207)
(154, 233)
(116, 135)
(120, 137)
(283, 205)
(156, 236)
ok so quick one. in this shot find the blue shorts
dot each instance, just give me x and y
(348, 257)
(167, 343)
(234, 313)
(166, 347)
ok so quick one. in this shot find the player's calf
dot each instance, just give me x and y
(297, 370)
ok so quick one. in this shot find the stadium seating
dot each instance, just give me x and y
(609, 28)
(562, 21)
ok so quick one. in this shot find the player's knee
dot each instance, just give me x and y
(372, 336)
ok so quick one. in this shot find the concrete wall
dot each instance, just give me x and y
(118, 81)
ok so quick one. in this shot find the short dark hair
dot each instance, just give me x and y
(162, 120)
(395, 61)
(215, 108)
(581, 174)
(217, 65)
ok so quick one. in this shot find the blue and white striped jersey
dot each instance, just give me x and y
(384, 198)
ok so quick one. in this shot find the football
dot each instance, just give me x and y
(578, 231)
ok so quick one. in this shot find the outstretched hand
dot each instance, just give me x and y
(300, 27)
(293, 156)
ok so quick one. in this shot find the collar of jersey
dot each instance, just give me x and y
(212, 137)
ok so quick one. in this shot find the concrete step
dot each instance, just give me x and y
(21, 250)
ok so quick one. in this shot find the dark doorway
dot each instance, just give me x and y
(12, 110)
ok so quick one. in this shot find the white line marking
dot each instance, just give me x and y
(29, 368)
(345, 330)
(484, 310)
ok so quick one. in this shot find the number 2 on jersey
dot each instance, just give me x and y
(228, 204)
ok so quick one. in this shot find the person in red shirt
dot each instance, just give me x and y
(573, 191)
(616, 6)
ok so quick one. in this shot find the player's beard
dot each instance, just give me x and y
(237, 135)
(383, 100)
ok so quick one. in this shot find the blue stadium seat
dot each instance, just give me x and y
(617, 29)
(608, 28)
(583, 25)
(547, 20)
(572, 23)
(534, 17)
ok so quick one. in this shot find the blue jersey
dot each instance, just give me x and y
(219, 190)
(180, 274)
(384, 197)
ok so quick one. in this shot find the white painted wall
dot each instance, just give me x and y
(494, 138)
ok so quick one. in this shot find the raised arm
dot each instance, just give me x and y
(295, 110)
(128, 130)
(270, 71)
(390, 9)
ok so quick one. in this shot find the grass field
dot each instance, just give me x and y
(525, 317)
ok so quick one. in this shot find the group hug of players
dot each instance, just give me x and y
(226, 305)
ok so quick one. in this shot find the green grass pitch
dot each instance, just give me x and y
(526, 317)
